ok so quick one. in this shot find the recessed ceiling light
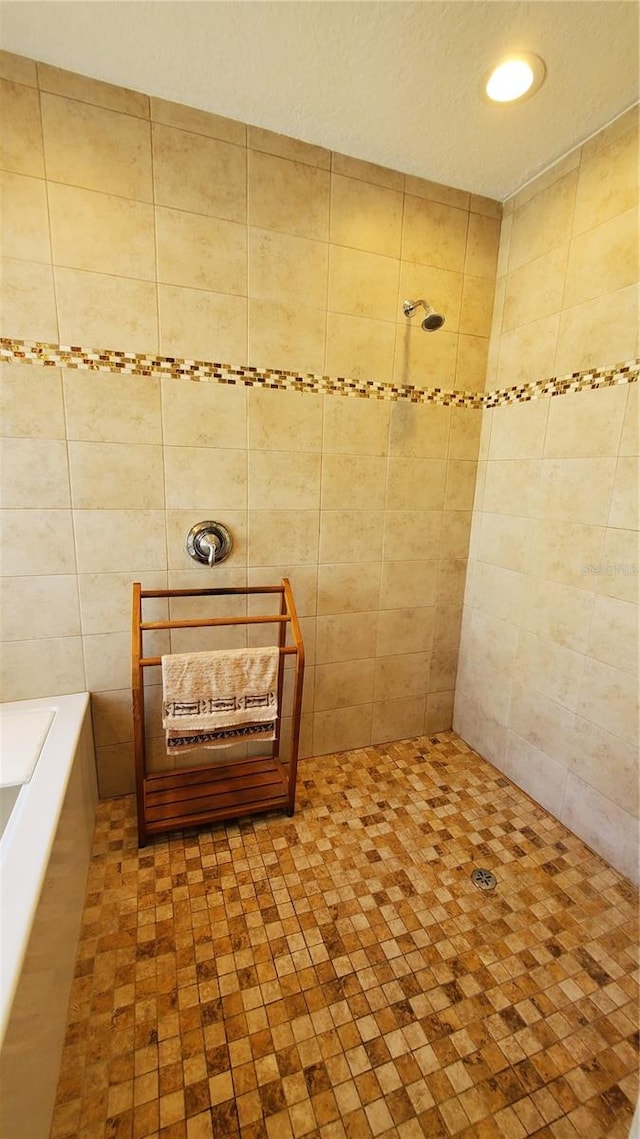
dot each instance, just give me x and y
(515, 77)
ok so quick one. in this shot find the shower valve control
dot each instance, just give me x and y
(208, 543)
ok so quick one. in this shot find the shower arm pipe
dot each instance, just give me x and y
(409, 307)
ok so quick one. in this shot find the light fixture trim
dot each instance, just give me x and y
(517, 67)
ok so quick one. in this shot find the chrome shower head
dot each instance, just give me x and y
(431, 322)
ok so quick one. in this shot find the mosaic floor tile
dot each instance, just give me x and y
(337, 975)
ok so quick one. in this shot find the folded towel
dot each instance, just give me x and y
(216, 693)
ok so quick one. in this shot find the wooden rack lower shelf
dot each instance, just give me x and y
(222, 788)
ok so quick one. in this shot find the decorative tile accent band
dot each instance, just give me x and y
(140, 364)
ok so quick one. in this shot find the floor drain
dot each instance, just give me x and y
(483, 879)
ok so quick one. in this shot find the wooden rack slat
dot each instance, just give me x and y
(222, 789)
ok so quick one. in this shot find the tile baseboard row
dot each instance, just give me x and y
(115, 362)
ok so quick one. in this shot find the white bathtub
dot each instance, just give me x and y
(47, 815)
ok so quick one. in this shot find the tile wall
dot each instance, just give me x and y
(143, 226)
(547, 680)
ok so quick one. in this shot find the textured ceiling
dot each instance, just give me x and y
(392, 82)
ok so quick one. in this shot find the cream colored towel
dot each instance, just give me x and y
(219, 698)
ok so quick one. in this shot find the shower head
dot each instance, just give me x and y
(431, 322)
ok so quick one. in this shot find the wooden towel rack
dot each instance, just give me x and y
(224, 788)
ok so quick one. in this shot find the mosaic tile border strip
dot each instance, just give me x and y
(114, 362)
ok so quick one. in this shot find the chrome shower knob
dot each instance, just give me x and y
(208, 543)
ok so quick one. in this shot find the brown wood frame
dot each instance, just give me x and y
(223, 789)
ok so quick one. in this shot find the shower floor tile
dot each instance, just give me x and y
(337, 975)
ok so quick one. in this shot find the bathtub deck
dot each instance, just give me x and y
(337, 975)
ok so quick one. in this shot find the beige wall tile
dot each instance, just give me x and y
(363, 431)
(116, 476)
(486, 684)
(102, 233)
(405, 631)
(359, 348)
(112, 717)
(631, 423)
(471, 363)
(491, 641)
(284, 147)
(284, 421)
(460, 487)
(217, 182)
(362, 284)
(408, 584)
(34, 473)
(201, 252)
(608, 179)
(434, 234)
(504, 541)
(281, 480)
(198, 476)
(559, 169)
(397, 719)
(538, 774)
(18, 69)
(412, 535)
(102, 311)
(488, 206)
(419, 432)
(478, 729)
(442, 675)
(105, 600)
(197, 121)
(617, 573)
(96, 149)
(585, 425)
(497, 591)
(613, 637)
(398, 677)
(528, 353)
(483, 238)
(341, 729)
(624, 502)
(502, 265)
(34, 606)
(439, 714)
(441, 288)
(201, 414)
(356, 481)
(344, 637)
(351, 536)
(543, 222)
(609, 698)
(202, 325)
(424, 359)
(117, 409)
(21, 143)
(304, 583)
(512, 486)
(549, 668)
(31, 402)
(292, 197)
(477, 306)
(111, 541)
(86, 90)
(343, 685)
(541, 722)
(436, 192)
(286, 269)
(604, 259)
(576, 490)
(561, 613)
(607, 828)
(283, 535)
(49, 667)
(465, 433)
(416, 483)
(348, 588)
(518, 430)
(451, 581)
(446, 630)
(535, 290)
(456, 528)
(106, 661)
(28, 309)
(50, 530)
(598, 332)
(564, 551)
(23, 218)
(366, 171)
(365, 216)
(287, 336)
(596, 754)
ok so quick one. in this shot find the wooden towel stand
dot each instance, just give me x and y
(224, 788)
